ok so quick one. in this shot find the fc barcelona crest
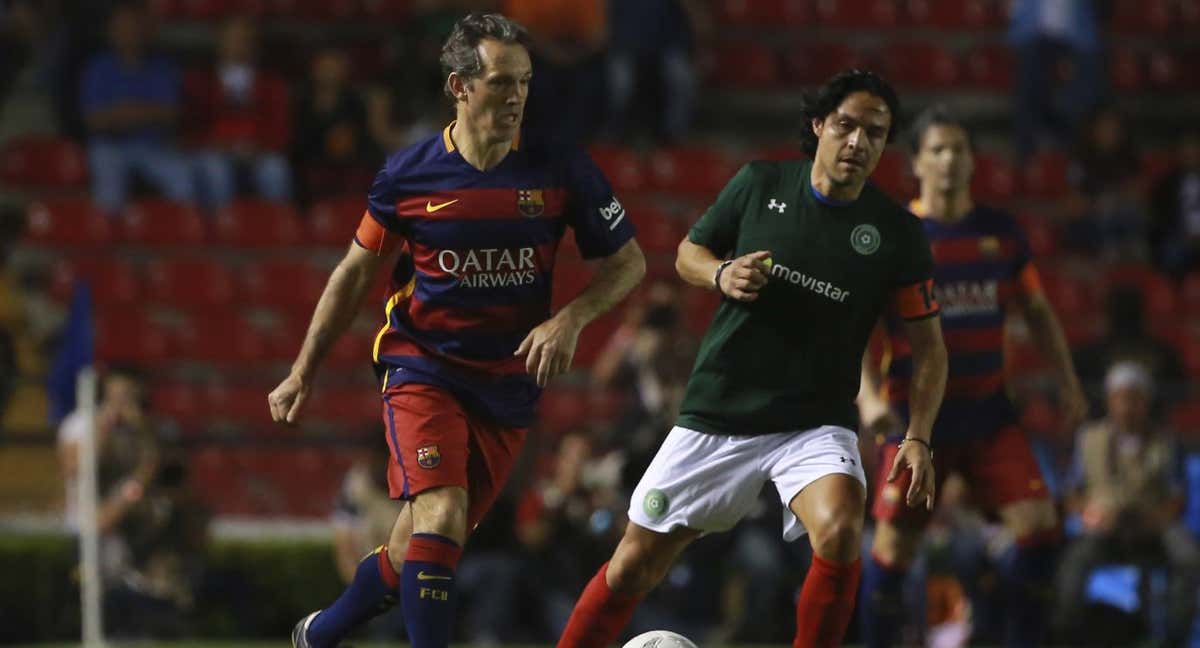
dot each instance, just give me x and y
(530, 202)
(429, 457)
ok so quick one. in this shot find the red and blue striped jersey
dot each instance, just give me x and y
(476, 263)
(982, 264)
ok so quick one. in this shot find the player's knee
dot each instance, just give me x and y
(443, 512)
(837, 538)
(637, 567)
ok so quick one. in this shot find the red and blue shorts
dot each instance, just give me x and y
(436, 442)
(999, 469)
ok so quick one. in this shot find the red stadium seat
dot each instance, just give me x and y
(1125, 69)
(955, 14)
(395, 10)
(349, 409)
(747, 65)
(623, 167)
(243, 405)
(1141, 16)
(333, 221)
(1041, 234)
(995, 178)
(130, 336)
(765, 13)
(1185, 419)
(1189, 293)
(1165, 70)
(1045, 175)
(867, 13)
(701, 306)
(258, 223)
(328, 9)
(69, 222)
(284, 284)
(894, 175)
(691, 171)
(113, 282)
(42, 163)
(179, 401)
(562, 409)
(657, 229)
(990, 67)
(221, 338)
(160, 222)
(1071, 298)
(190, 283)
(920, 65)
(815, 64)
(1156, 290)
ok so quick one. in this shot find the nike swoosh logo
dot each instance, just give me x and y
(430, 207)
(422, 576)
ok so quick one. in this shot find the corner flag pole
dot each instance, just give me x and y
(91, 589)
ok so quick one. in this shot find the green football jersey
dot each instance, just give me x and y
(791, 359)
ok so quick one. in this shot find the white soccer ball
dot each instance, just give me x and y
(660, 639)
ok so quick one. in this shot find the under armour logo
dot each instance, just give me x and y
(852, 462)
(774, 204)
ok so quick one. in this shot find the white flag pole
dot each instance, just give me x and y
(91, 589)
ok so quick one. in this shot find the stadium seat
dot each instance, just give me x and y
(220, 337)
(352, 351)
(244, 405)
(955, 15)
(68, 222)
(989, 67)
(893, 175)
(130, 336)
(258, 223)
(1045, 175)
(1189, 293)
(1185, 419)
(325, 10)
(394, 10)
(113, 282)
(178, 401)
(190, 283)
(1141, 16)
(284, 284)
(851, 14)
(348, 409)
(747, 64)
(1165, 70)
(160, 222)
(920, 65)
(815, 64)
(1156, 290)
(623, 167)
(995, 178)
(1125, 69)
(764, 13)
(701, 306)
(1042, 236)
(657, 229)
(42, 163)
(690, 171)
(1071, 297)
(333, 221)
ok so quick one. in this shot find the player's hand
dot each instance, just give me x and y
(742, 278)
(549, 348)
(287, 399)
(916, 457)
(1074, 405)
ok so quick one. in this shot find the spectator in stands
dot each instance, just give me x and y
(566, 94)
(1175, 211)
(1108, 211)
(1127, 338)
(1127, 490)
(130, 101)
(654, 36)
(243, 120)
(1043, 34)
(332, 149)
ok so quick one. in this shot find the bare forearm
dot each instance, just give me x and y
(696, 264)
(616, 276)
(339, 304)
(928, 387)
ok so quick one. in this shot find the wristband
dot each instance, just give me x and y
(717, 275)
(921, 441)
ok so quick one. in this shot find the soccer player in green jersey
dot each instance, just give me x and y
(807, 256)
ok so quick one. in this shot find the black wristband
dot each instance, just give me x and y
(921, 441)
(717, 275)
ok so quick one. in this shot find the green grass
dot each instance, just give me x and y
(262, 644)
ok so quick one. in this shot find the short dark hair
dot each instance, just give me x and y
(828, 97)
(460, 53)
(936, 115)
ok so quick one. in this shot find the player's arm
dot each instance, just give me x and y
(551, 345)
(340, 303)
(1048, 335)
(739, 278)
(873, 409)
(925, 397)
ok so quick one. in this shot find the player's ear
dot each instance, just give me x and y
(458, 86)
(817, 126)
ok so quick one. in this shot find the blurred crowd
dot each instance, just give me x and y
(242, 116)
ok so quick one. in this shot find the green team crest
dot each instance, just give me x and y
(865, 239)
(655, 504)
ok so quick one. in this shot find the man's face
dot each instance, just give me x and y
(121, 392)
(852, 137)
(127, 32)
(495, 100)
(944, 162)
(1128, 407)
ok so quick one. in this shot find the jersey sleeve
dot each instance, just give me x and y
(717, 229)
(914, 298)
(1029, 282)
(601, 225)
(380, 230)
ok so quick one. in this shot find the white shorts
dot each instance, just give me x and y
(708, 482)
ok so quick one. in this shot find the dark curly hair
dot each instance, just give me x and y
(935, 115)
(460, 54)
(828, 97)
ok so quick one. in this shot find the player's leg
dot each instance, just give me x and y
(820, 479)
(898, 530)
(373, 591)
(639, 563)
(1005, 477)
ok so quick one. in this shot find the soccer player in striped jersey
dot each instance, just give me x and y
(982, 271)
(473, 217)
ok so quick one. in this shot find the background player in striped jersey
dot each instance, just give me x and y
(982, 271)
(808, 256)
(474, 216)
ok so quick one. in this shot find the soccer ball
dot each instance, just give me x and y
(660, 639)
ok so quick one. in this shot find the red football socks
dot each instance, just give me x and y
(826, 603)
(599, 616)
